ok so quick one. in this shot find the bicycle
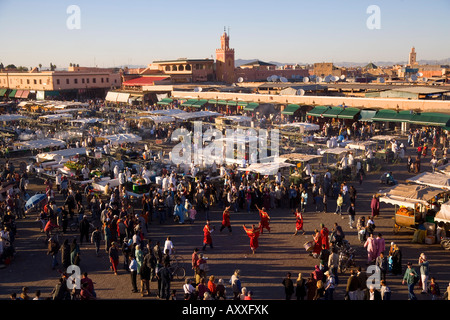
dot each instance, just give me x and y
(177, 260)
(177, 272)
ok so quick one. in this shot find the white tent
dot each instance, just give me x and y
(43, 143)
(443, 214)
(122, 138)
(111, 96)
(361, 145)
(336, 151)
(88, 120)
(409, 194)
(437, 180)
(300, 157)
(303, 126)
(269, 168)
(165, 112)
(194, 115)
(57, 117)
(445, 169)
(64, 153)
(238, 118)
(384, 138)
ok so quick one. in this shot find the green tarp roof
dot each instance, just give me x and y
(290, 109)
(333, 112)
(348, 113)
(165, 101)
(12, 94)
(251, 106)
(317, 111)
(385, 115)
(3, 91)
(431, 118)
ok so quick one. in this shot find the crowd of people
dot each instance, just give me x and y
(121, 223)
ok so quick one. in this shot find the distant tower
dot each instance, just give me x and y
(225, 60)
(412, 57)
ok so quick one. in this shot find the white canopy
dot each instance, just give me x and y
(266, 168)
(193, 115)
(56, 117)
(123, 138)
(156, 119)
(166, 112)
(238, 118)
(336, 151)
(300, 157)
(88, 120)
(384, 137)
(437, 180)
(409, 193)
(445, 169)
(64, 153)
(111, 96)
(361, 145)
(443, 214)
(43, 143)
(305, 126)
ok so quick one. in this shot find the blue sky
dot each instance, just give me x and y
(134, 32)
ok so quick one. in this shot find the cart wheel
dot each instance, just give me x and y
(396, 228)
(445, 245)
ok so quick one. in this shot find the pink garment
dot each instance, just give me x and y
(380, 245)
(371, 247)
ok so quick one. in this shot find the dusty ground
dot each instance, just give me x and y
(279, 251)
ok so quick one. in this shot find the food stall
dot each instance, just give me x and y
(299, 160)
(415, 205)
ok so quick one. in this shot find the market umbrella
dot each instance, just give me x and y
(35, 200)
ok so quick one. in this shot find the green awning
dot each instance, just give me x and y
(165, 101)
(232, 103)
(2, 92)
(242, 103)
(349, 113)
(367, 115)
(12, 94)
(317, 111)
(200, 103)
(212, 101)
(431, 119)
(385, 115)
(189, 103)
(446, 128)
(290, 109)
(251, 106)
(333, 112)
(403, 116)
(222, 102)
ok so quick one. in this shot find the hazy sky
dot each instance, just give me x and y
(134, 32)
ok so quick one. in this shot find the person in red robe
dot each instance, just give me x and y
(226, 220)
(298, 222)
(265, 219)
(375, 206)
(253, 234)
(207, 239)
(317, 243)
(324, 235)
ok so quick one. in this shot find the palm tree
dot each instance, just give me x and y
(40, 66)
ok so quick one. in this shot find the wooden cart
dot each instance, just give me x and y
(410, 222)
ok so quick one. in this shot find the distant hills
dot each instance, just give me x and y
(239, 62)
